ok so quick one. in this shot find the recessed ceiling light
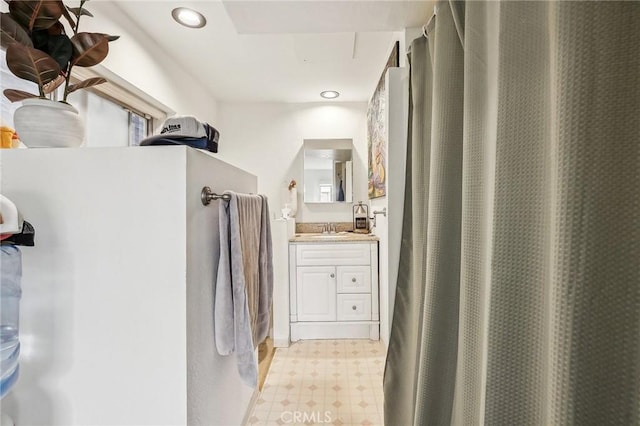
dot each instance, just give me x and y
(329, 94)
(188, 17)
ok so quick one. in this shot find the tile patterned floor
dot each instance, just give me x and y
(323, 382)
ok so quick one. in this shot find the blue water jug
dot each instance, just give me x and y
(10, 276)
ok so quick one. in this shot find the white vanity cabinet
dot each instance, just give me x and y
(334, 290)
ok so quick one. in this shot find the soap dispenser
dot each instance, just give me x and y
(361, 218)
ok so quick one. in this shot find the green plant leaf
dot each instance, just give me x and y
(80, 11)
(89, 49)
(32, 64)
(37, 15)
(86, 83)
(12, 32)
(18, 95)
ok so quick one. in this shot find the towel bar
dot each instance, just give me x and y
(207, 195)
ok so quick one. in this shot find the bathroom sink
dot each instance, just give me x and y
(317, 235)
(334, 236)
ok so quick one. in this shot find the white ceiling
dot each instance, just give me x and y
(282, 51)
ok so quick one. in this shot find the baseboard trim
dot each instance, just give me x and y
(335, 330)
(252, 403)
(280, 343)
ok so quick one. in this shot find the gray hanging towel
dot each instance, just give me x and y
(244, 286)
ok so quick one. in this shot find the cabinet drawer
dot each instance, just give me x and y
(354, 279)
(333, 254)
(354, 307)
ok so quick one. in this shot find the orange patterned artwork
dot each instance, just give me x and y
(377, 133)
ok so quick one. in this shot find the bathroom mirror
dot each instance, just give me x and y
(328, 171)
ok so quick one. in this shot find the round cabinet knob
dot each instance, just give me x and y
(354, 307)
(353, 280)
(333, 275)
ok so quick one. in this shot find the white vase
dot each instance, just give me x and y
(293, 201)
(41, 123)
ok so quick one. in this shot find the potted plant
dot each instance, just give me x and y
(38, 49)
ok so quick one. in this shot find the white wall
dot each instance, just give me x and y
(281, 231)
(91, 348)
(389, 228)
(266, 140)
(215, 393)
(116, 309)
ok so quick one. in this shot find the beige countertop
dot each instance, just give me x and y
(338, 237)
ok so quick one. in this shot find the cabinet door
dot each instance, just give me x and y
(316, 293)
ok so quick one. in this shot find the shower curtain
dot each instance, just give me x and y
(518, 296)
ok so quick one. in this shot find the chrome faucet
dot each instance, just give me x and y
(329, 228)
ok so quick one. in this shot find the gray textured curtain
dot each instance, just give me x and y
(518, 298)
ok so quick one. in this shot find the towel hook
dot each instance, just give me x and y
(383, 212)
(207, 195)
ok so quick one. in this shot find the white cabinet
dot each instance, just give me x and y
(334, 290)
